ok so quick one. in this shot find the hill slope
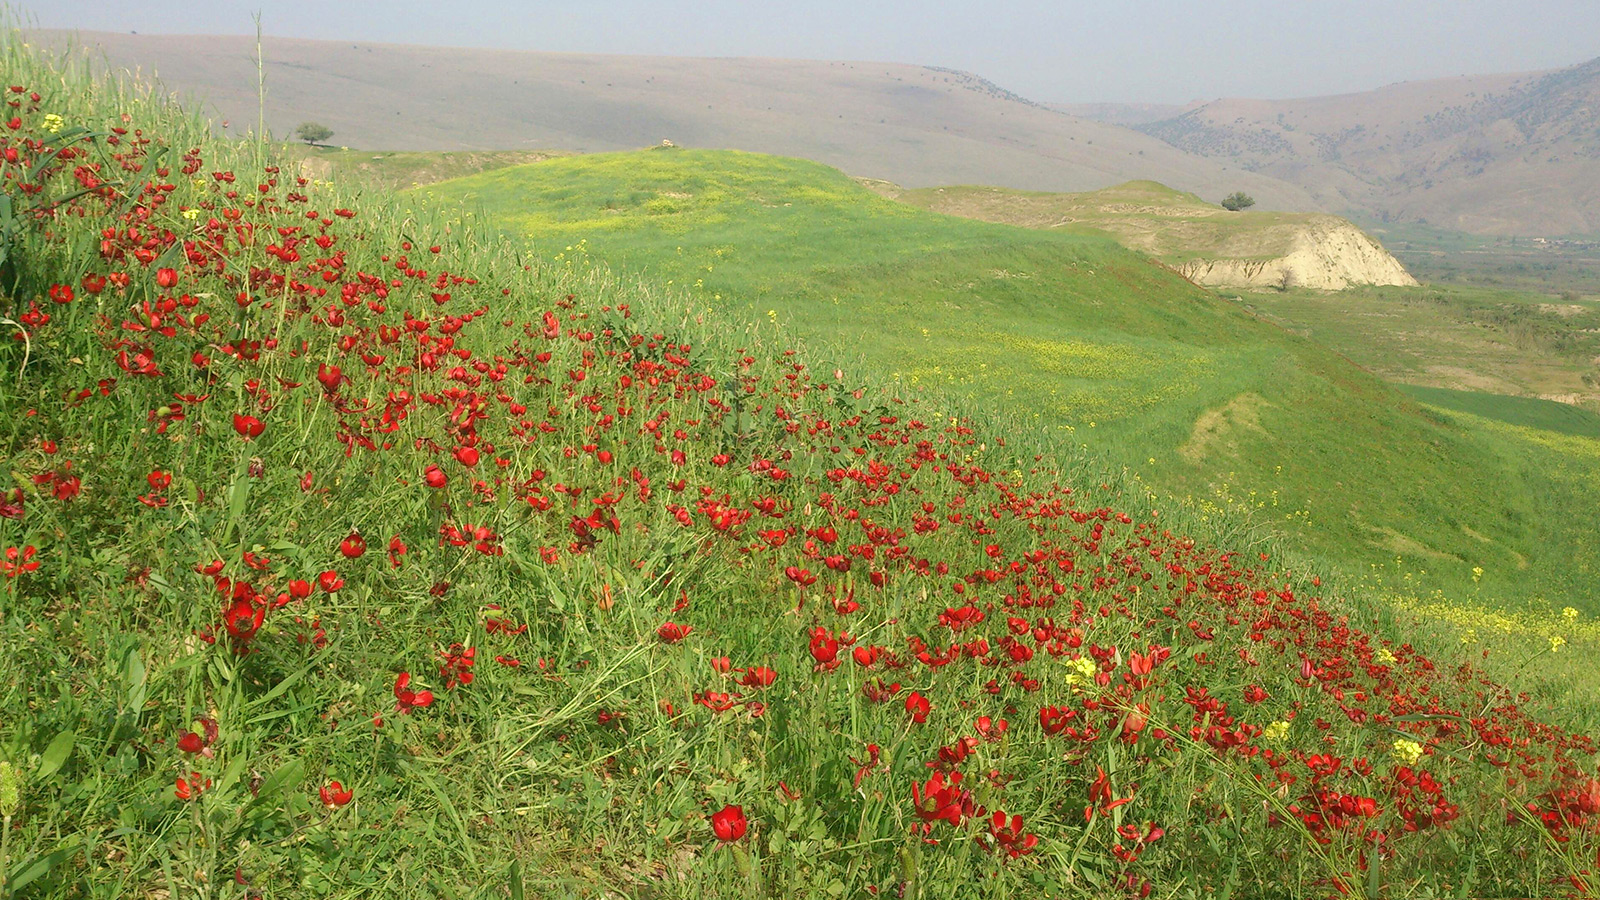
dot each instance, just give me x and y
(370, 556)
(910, 124)
(1081, 338)
(1489, 154)
(1204, 242)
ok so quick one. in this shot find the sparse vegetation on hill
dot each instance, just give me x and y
(1514, 154)
(1206, 245)
(353, 551)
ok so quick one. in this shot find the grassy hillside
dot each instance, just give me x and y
(1171, 225)
(1503, 342)
(398, 170)
(351, 551)
(1192, 394)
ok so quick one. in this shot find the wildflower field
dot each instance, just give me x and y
(1205, 402)
(355, 552)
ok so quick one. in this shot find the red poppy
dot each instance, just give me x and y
(918, 707)
(61, 293)
(671, 633)
(758, 677)
(405, 699)
(334, 795)
(940, 798)
(330, 376)
(191, 742)
(243, 618)
(249, 427)
(353, 546)
(330, 581)
(824, 647)
(192, 787)
(729, 824)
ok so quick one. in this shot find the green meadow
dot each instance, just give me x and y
(1258, 430)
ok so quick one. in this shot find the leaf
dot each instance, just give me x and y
(516, 880)
(30, 871)
(289, 773)
(238, 496)
(55, 755)
(133, 678)
(279, 688)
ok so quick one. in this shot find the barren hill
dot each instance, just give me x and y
(914, 125)
(1204, 242)
(1490, 154)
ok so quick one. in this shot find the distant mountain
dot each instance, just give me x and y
(1127, 114)
(1490, 154)
(913, 125)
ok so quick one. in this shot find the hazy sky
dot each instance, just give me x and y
(1169, 51)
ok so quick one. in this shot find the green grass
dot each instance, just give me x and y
(1252, 427)
(398, 170)
(1529, 412)
(1558, 266)
(1171, 225)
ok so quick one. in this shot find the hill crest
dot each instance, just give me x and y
(910, 124)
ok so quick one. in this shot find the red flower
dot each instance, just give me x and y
(1008, 836)
(192, 787)
(61, 293)
(330, 376)
(467, 456)
(671, 633)
(405, 699)
(938, 798)
(824, 647)
(243, 618)
(758, 677)
(353, 546)
(191, 742)
(166, 277)
(330, 581)
(334, 795)
(434, 477)
(917, 706)
(249, 427)
(729, 824)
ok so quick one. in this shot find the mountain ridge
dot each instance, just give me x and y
(914, 125)
(1511, 154)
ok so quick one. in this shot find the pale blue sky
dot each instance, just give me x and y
(1168, 51)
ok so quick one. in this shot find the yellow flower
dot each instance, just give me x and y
(1407, 752)
(1477, 574)
(1557, 642)
(53, 123)
(1081, 671)
(1277, 731)
(1384, 657)
(1471, 637)
(191, 214)
(1570, 614)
